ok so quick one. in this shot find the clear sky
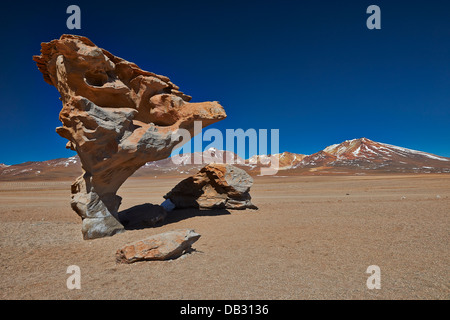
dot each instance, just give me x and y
(311, 69)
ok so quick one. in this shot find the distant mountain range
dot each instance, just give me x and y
(357, 156)
(364, 155)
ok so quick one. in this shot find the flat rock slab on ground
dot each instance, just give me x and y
(164, 246)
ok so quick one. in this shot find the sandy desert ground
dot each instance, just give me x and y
(313, 237)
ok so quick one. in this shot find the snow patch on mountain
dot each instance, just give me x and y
(425, 154)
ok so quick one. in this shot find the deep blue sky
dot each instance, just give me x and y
(309, 68)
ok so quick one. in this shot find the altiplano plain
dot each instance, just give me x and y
(312, 237)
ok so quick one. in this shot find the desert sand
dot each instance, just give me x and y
(313, 237)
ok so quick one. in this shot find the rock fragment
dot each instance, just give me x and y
(164, 246)
(215, 186)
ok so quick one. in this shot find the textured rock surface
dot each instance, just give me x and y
(168, 245)
(215, 186)
(116, 117)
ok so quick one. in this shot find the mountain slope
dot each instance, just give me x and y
(188, 163)
(55, 169)
(364, 154)
(286, 160)
(357, 156)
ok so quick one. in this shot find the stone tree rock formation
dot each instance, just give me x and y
(116, 117)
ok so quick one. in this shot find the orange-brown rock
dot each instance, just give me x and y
(215, 186)
(164, 246)
(116, 117)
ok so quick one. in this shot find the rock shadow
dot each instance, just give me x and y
(182, 214)
(149, 215)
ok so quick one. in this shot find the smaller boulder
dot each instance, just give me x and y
(164, 246)
(215, 186)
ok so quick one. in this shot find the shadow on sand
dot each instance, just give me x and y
(149, 215)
